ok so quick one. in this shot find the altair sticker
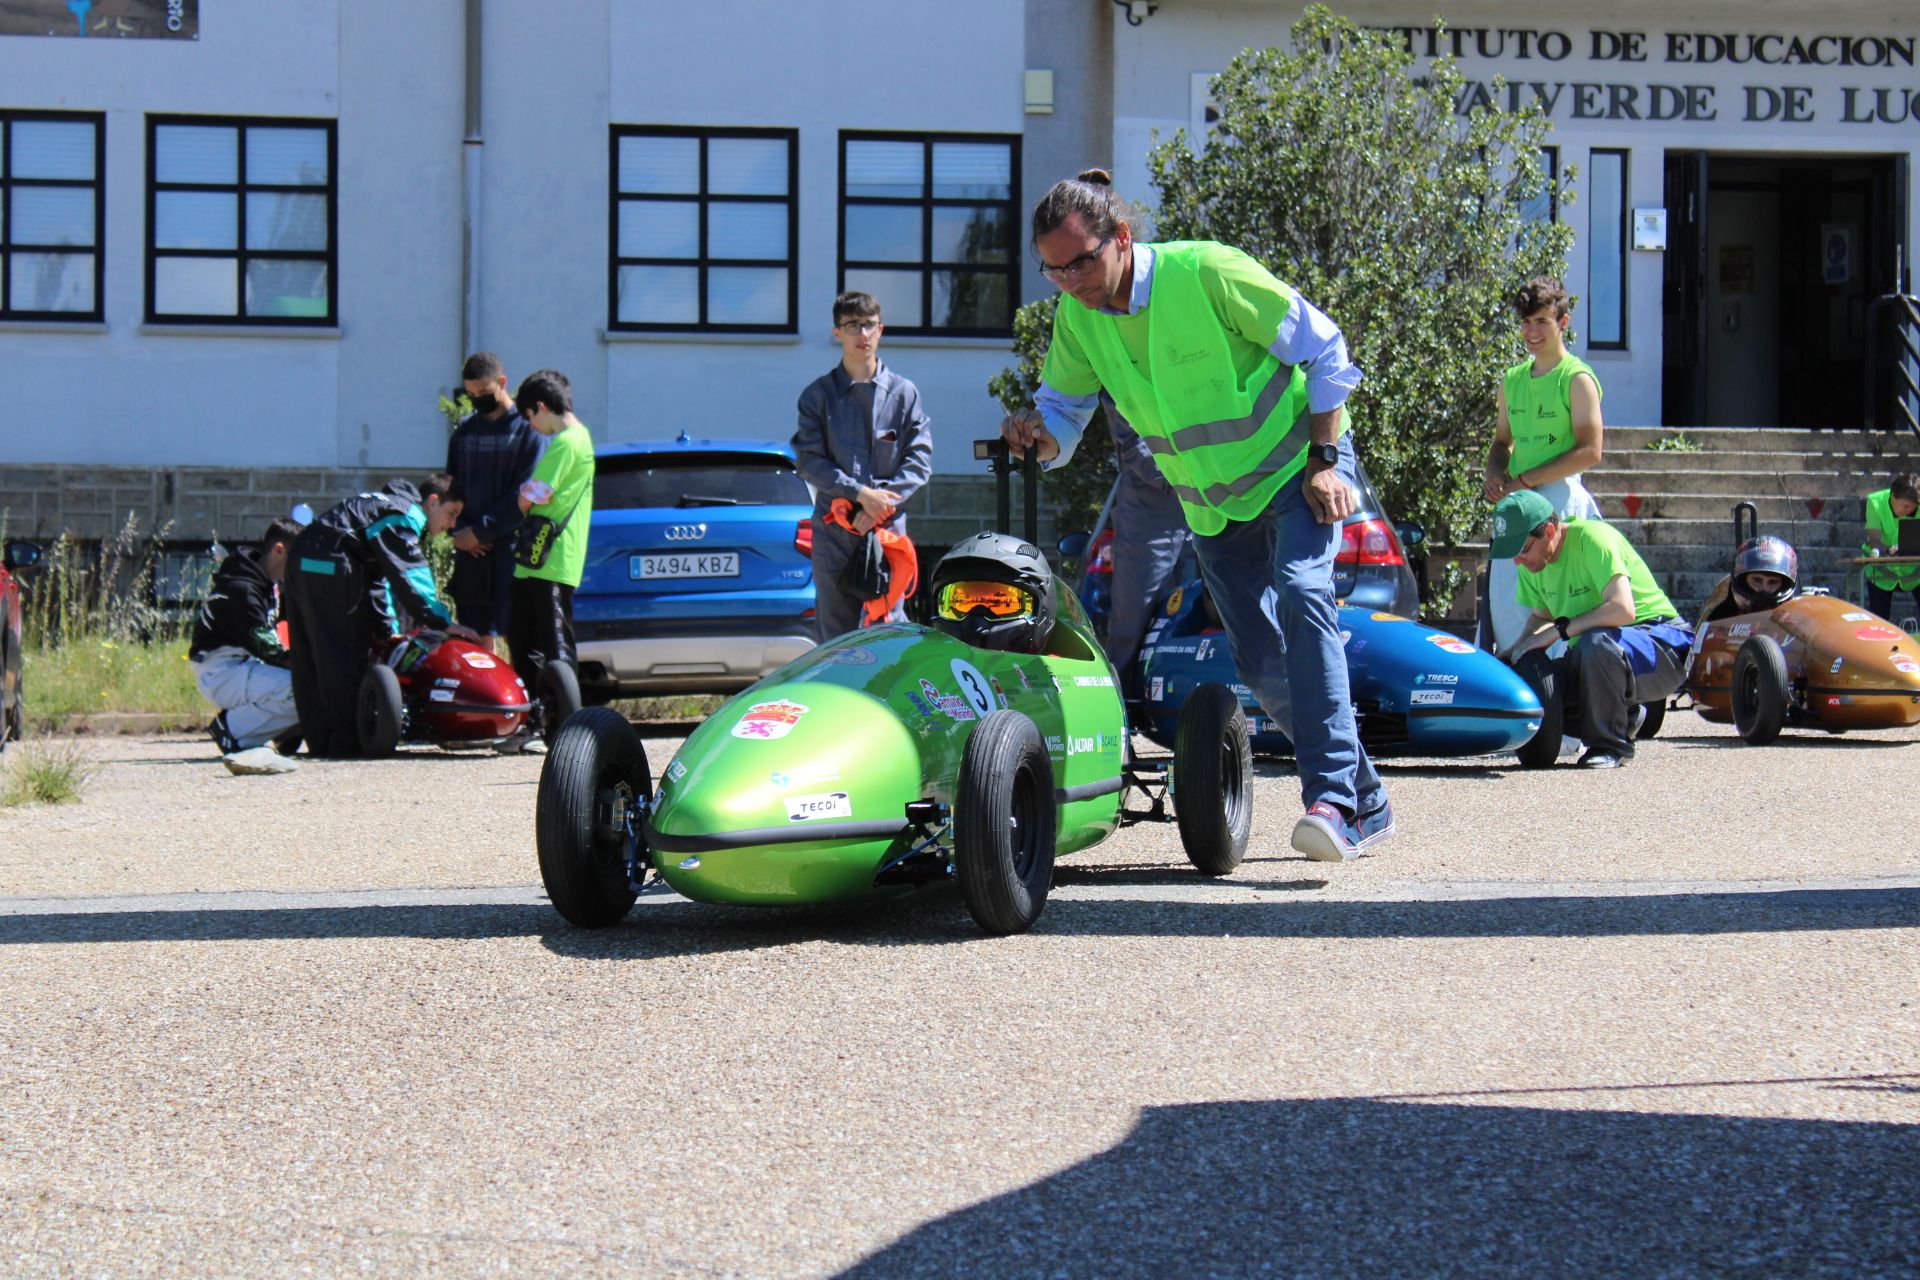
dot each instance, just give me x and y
(833, 804)
(768, 720)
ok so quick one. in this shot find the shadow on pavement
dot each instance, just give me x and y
(1851, 740)
(937, 918)
(1348, 1187)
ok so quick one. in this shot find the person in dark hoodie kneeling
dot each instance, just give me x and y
(238, 660)
(347, 572)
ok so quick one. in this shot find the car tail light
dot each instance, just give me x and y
(1100, 559)
(803, 539)
(1369, 542)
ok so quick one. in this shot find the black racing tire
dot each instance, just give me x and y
(1213, 780)
(595, 768)
(1005, 823)
(1759, 690)
(380, 713)
(559, 698)
(1656, 716)
(1543, 748)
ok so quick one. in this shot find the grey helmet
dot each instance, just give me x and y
(967, 606)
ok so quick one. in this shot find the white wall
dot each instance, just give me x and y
(1154, 66)
(139, 395)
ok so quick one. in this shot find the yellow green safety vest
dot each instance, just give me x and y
(1225, 446)
(1880, 519)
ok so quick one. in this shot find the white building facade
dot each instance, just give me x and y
(263, 246)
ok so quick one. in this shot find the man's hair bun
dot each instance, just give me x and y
(1098, 177)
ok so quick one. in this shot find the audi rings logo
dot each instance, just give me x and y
(686, 532)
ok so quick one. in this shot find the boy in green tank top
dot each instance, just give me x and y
(1547, 430)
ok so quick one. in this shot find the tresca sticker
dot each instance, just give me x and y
(769, 720)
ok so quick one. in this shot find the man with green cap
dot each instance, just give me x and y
(1585, 584)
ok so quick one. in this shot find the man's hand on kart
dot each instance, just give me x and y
(465, 539)
(1526, 644)
(465, 633)
(876, 505)
(1026, 434)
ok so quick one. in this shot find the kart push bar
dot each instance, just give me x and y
(1001, 462)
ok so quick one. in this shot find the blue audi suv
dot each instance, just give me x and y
(699, 577)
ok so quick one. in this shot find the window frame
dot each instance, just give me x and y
(240, 188)
(1624, 232)
(8, 247)
(702, 262)
(927, 203)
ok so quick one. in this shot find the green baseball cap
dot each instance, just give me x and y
(1514, 521)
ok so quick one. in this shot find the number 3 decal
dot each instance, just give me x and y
(973, 686)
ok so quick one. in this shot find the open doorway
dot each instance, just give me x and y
(1771, 264)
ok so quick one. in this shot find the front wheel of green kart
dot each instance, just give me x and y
(1004, 823)
(559, 695)
(595, 769)
(1213, 780)
(380, 712)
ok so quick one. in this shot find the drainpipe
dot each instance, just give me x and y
(470, 167)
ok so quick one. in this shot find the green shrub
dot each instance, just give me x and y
(44, 772)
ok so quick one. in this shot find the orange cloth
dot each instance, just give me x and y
(903, 564)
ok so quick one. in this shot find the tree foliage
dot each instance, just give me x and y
(1365, 186)
(1395, 202)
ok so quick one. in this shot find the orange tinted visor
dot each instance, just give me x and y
(1002, 600)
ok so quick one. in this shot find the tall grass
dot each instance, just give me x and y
(96, 642)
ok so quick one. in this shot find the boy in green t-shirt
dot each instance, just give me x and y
(1585, 584)
(540, 621)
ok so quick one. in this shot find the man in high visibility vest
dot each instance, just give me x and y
(1235, 382)
(1885, 509)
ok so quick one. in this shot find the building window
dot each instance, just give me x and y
(52, 206)
(240, 220)
(928, 226)
(704, 231)
(1606, 249)
(1544, 205)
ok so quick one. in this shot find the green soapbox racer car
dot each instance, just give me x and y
(973, 751)
(888, 759)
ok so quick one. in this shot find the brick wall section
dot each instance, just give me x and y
(42, 501)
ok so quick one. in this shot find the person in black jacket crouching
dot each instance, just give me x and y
(237, 657)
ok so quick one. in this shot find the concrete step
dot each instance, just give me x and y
(1856, 465)
(1667, 504)
(1765, 440)
(1718, 532)
(1733, 483)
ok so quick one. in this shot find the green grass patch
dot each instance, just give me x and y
(43, 772)
(1678, 442)
(95, 674)
(666, 709)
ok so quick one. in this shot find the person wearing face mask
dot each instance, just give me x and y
(492, 453)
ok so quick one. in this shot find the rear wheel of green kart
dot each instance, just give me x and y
(559, 692)
(595, 769)
(380, 713)
(1004, 823)
(1213, 780)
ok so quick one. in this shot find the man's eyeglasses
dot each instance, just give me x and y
(1539, 531)
(1079, 266)
(861, 327)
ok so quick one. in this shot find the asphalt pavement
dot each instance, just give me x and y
(1660, 1021)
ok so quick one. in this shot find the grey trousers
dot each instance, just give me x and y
(1609, 690)
(835, 612)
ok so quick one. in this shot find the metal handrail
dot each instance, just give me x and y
(1906, 386)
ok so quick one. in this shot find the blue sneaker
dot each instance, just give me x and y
(1325, 834)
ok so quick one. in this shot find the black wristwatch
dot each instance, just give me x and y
(1560, 625)
(1327, 453)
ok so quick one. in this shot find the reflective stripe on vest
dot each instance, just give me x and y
(1221, 468)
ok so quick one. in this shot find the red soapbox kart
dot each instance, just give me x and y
(426, 686)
